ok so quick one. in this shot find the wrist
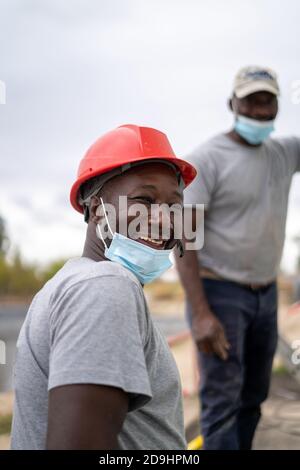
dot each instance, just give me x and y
(202, 312)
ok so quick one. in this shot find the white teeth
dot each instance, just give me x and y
(152, 241)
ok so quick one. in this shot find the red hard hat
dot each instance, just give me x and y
(125, 145)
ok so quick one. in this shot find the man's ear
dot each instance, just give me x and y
(95, 204)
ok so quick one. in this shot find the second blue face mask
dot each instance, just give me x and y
(145, 262)
(253, 131)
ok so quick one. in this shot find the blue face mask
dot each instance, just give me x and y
(253, 131)
(145, 262)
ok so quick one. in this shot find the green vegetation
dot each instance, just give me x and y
(5, 424)
(18, 279)
(280, 369)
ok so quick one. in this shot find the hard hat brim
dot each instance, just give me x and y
(188, 173)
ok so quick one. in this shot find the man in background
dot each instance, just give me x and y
(243, 179)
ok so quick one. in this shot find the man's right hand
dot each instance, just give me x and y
(208, 332)
(209, 335)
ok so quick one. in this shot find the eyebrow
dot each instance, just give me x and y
(151, 186)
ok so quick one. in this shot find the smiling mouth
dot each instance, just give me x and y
(158, 244)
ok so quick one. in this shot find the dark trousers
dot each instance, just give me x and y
(232, 391)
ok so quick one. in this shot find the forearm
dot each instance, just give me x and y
(208, 332)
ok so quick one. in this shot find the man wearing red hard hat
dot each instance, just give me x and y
(92, 369)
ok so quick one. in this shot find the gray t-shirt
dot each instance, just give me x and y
(245, 191)
(90, 324)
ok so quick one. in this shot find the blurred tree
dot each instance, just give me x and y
(4, 241)
(18, 279)
(4, 275)
(23, 279)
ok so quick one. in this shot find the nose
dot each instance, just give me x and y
(160, 222)
(263, 117)
(262, 113)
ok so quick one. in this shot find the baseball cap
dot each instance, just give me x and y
(254, 78)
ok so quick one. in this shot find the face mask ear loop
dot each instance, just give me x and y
(98, 226)
(100, 234)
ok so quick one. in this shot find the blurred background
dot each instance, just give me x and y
(72, 70)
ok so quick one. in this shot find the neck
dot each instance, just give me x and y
(93, 247)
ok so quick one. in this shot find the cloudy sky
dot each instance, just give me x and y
(75, 69)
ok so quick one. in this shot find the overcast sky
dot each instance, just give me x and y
(75, 69)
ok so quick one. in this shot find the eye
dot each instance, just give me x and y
(176, 205)
(144, 199)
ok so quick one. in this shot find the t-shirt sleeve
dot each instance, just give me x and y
(297, 144)
(96, 337)
(201, 189)
(292, 148)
